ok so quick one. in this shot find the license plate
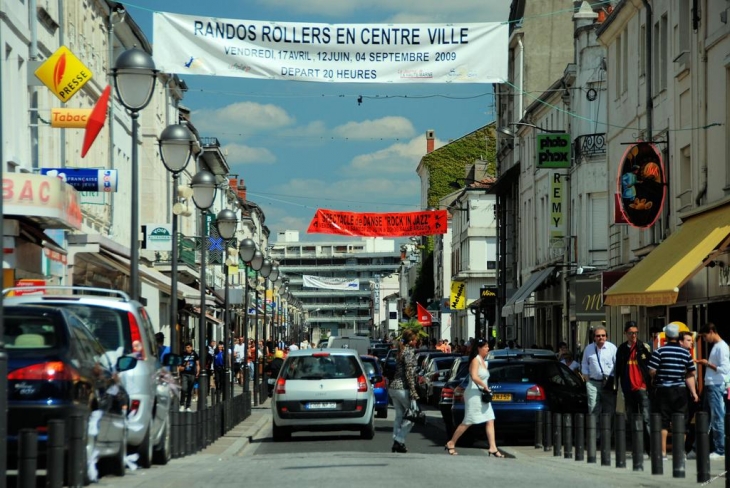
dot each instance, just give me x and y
(502, 397)
(321, 405)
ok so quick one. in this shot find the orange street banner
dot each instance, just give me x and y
(424, 316)
(403, 224)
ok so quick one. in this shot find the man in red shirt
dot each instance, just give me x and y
(631, 374)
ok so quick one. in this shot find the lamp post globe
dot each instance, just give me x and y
(204, 188)
(134, 78)
(266, 268)
(176, 145)
(246, 250)
(257, 260)
(227, 222)
(274, 275)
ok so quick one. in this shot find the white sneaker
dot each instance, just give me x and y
(182, 409)
(188, 409)
(714, 455)
(691, 455)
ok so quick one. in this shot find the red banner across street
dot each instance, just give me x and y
(403, 224)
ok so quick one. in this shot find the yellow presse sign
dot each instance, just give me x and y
(74, 118)
(63, 73)
(458, 295)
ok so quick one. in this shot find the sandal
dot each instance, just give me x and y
(452, 451)
(496, 454)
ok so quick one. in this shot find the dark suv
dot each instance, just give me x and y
(56, 369)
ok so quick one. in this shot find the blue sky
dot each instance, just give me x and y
(302, 146)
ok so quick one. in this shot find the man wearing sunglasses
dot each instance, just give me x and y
(597, 369)
(632, 375)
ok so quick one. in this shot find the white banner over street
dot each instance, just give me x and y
(340, 53)
(311, 281)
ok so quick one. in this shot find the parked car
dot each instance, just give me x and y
(123, 327)
(380, 388)
(435, 385)
(387, 364)
(521, 353)
(434, 370)
(459, 370)
(520, 387)
(323, 390)
(57, 369)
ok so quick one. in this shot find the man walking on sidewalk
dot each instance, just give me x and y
(674, 373)
(189, 372)
(717, 368)
(597, 368)
(632, 375)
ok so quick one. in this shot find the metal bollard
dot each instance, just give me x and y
(637, 437)
(188, 425)
(567, 436)
(702, 445)
(657, 466)
(606, 439)
(76, 451)
(547, 438)
(678, 456)
(27, 458)
(557, 434)
(54, 453)
(539, 415)
(580, 436)
(620, 440)
(591, 438)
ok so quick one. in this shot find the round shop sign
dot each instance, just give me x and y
(641, 184)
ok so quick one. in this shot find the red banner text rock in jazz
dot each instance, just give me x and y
(402, 224)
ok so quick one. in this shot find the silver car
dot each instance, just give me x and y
(323, 389)
(123, 327)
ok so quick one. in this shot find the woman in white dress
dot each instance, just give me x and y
(476, 411)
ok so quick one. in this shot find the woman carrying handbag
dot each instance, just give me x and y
(403, 388)
(477, 410)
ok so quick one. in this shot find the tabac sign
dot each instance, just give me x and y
(63, 73)
(641, 182)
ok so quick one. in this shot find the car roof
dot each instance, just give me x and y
(329, 350)
(500, 353)
(70, 294)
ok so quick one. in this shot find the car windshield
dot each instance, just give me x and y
(24, 332)
(321, 367)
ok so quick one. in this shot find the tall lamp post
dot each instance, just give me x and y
(265, 272)
(256, 262)
(273, 277)
(246, 250)
(134, 78)
(226, 221)
(176, 146)
(204, 189)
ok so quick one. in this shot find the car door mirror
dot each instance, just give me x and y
(172, 360)
(125, 363)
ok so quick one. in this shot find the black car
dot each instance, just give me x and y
(387, 364)
(520, 387)
(459, 371)
(57, 369)
(435, 370)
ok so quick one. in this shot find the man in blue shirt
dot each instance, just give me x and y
(717, 368)
(673, 371)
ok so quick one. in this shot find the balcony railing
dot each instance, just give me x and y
(589, 146)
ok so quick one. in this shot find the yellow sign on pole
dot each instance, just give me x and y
(458, 295)
(72, 118)
(63, 73)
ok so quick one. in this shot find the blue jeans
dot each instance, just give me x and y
(715, 403)
(401, 402)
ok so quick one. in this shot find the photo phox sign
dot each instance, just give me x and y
(403, 224)
(641, 183)
(340, 53)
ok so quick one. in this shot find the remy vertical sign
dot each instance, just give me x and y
(557, 210)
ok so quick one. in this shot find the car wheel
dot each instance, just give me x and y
(368, 432)
(145, 449)
(382, 413)
(280, 433)
(163, 452)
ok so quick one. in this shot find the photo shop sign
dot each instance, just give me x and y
(641, 184)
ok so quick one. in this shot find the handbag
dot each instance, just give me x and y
(486, 396)
(414, 414)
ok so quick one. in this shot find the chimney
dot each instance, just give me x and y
(239, 186)
(429, 140)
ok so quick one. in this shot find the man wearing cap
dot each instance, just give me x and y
(597, 367)
(673, 370)
(717, 368)
(632, 375)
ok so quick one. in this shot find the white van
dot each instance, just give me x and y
(357, 343)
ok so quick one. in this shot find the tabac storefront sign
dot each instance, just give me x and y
(641, 183)
(46, 199)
